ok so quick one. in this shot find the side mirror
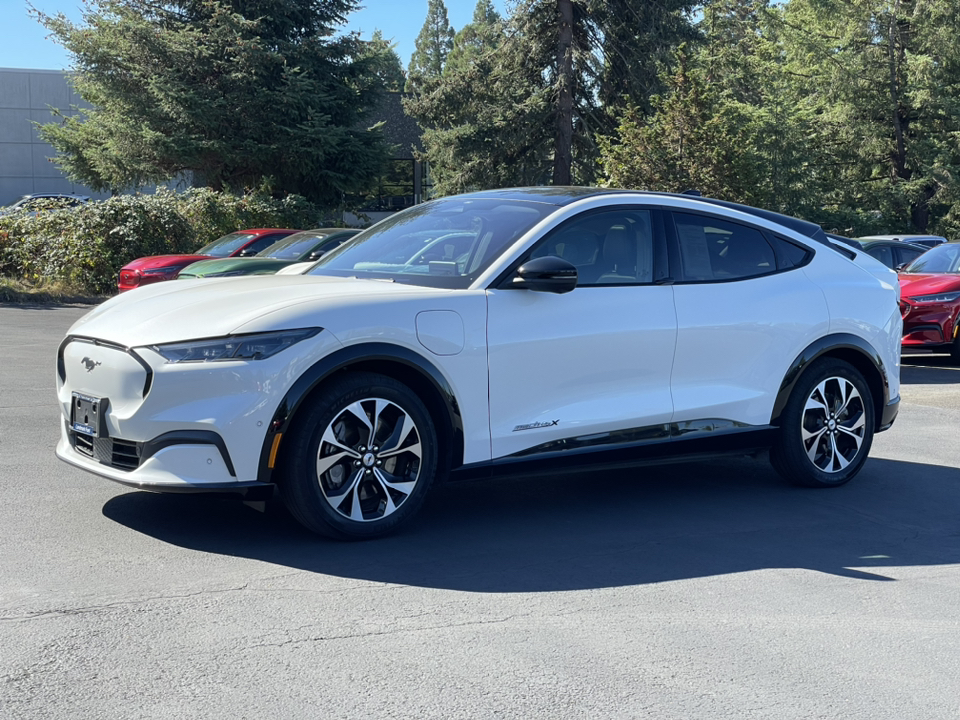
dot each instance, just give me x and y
(901, 266)
(545, 274)
(248, 252)
(316, 254)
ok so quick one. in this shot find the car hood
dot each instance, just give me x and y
(928, 284)
(159, 261)
(187, 310)
(245, 266)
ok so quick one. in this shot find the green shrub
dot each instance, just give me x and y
(85, 247)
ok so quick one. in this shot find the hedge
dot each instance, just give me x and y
(84, 247)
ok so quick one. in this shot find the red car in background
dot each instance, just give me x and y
(930, 301)
(147, 270)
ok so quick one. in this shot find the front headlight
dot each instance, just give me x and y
(234, 347)
(942, 298)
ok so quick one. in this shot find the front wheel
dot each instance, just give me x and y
(955, 350)
(360, 459)
(827, 426)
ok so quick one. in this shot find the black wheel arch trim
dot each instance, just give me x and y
(830, 344)
(344, 359)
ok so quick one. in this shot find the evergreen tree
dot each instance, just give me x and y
(384, 62)
(475, 37)
(728, 123)
(528, 91)
(884, 77)
(240, 94)
(433, 45)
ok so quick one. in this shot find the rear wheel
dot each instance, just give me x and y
(360, 460)
(827, 426)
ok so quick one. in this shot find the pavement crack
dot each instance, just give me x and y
(65, 612)
(380, 633)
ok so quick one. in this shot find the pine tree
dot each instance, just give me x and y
(531, 95)
(884, 78)
(239, 94)
(474, 38)
(433, 45)
(385, 62)
(727, 124)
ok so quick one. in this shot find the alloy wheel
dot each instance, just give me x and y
(369, 459)
(834, 424)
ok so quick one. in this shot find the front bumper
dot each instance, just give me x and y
(192, 427)
(928, 325)
(180, 467)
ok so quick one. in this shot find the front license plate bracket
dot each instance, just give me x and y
(87, 415)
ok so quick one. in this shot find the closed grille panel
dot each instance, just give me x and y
(115, 452)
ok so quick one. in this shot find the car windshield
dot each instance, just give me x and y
(941, 259)
(294, 246)
(227, 245)
(444, 243)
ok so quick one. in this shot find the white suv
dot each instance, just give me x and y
(510, 331)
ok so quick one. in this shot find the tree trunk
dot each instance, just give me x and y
(563, 149)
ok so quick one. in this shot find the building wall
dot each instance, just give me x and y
(26, 97)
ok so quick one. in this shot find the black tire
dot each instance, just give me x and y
(335, 488)
(955, 351)
(810, 449)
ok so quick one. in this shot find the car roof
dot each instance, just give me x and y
(565, 195)
(865, 244)
(73, 196)
(902, 238)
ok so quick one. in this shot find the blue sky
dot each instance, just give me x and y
(25, 44)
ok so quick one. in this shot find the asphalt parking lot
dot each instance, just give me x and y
(706, 590)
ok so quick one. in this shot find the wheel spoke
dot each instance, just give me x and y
(807, 435)
(326, 462)
(850, 396)
(355, 512)
(394, 443)
(812, 450)
(837, 455)
(385, 485)
(330, 437)
(412, 449)
(356, 409)
(379, 407)
(337, 500)
(814, 404)
(405, 487)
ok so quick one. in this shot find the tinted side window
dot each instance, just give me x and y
(883, 253)
(908, 255)
(612, 247)
(712, 249)
(261, 244)
(789, 255)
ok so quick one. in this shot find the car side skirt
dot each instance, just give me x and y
(653, 444)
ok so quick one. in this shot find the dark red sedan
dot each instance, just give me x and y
(147, 270)
(930, 301)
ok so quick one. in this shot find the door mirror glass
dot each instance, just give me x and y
(545, 274)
